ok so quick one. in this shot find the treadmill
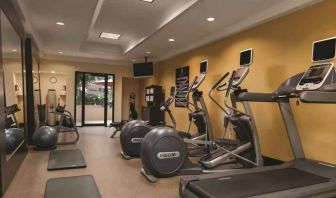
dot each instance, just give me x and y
(300, 177)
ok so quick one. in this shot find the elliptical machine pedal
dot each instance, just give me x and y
(126, 157)
(149, 177)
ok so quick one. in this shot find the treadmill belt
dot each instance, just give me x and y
(253, 184)
(72, 187)
(66, 159)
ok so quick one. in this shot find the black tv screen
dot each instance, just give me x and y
(246, 57)
(204, 67)
(324, 50)
(143, 69)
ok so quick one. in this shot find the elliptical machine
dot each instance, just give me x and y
(133, 115)
(164, 154)
(134, 131)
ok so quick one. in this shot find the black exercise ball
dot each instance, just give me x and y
(13, 138)
(163, 152)
(45, 137)
(132, 135)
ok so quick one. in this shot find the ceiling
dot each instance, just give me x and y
(144, 27)
(11, 42)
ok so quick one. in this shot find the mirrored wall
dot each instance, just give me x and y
(36, 83)
(13, 87)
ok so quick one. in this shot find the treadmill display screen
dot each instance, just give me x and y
(246, 57)
(324, 50)
(314, 73)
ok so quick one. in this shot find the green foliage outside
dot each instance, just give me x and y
(92, 99)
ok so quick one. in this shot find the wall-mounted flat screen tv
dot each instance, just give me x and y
(143, 69)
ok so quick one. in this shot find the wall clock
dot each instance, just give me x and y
(53, 79)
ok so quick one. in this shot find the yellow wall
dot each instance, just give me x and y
(69, 69)
(282, 48)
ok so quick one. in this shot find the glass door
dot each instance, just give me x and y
(94, 101)
(79, 98)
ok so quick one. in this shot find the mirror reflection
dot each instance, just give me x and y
(36, 87)
(13, 86)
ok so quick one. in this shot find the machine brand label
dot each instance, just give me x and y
(168, 155)
(136, 140)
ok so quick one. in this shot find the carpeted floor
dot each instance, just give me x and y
(114, 176)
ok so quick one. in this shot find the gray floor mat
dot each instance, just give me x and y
(72, 187)
(66, 159)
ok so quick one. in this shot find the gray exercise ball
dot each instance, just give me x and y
(13, 138)
(45, 137)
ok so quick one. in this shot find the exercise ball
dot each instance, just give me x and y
(45, 138)
(13, 138)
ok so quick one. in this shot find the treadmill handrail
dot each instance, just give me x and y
(321, 97)
(256, 97)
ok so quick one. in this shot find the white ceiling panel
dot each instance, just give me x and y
(142, 26)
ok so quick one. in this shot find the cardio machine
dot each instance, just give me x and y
(244, 150)
(300, 177)
(133, 133)
(164, 154)
(11, 121)
(133, 115)
(66, 125)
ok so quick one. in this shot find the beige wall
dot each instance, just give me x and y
(282, 48)
(130, 85)
(62, 79)
(69, 69)
(13, 76)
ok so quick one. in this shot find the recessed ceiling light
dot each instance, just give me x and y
(60, 52)
(109, 35)
(210, 19)
(52, 71)
(148, 52)
(60, 23)
(133, 60)
(171, 40)
(14, 50)
(148, 1)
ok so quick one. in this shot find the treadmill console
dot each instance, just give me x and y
(315, 76)
(240, 75)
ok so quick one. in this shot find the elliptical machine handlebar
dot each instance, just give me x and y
(220, 81)
(216, 86)
(230, 83)
(165, 104)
